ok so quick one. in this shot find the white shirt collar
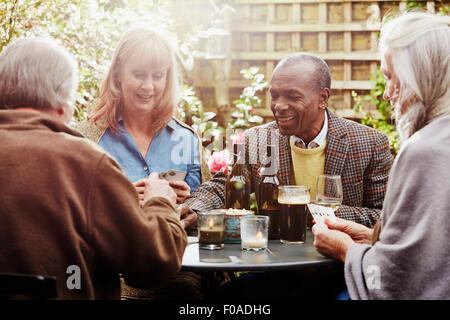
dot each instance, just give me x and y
(318, 140)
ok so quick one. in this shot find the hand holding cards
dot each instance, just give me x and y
(173, 175)
(176, 181)
(319, 213)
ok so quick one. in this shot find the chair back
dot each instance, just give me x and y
(27, 286)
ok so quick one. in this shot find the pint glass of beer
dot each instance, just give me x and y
(293, 201)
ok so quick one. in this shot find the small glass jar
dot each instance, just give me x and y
(254, 232)
(211, 230)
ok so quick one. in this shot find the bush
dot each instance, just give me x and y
(88, 29)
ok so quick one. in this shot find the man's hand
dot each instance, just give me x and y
(156, 187)
(331, 243)
(187, 215)
(182, 190)
(358, 232)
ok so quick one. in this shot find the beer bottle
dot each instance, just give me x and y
(267, 194)
(237, 188)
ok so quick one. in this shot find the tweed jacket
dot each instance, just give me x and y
(360, 154)
(95, 131)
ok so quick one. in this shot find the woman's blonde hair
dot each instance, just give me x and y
(145, 43)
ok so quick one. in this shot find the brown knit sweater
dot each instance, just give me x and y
(64, 202)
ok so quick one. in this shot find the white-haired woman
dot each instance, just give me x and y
(408, 258)
(134, 118)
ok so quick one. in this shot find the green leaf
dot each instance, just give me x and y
(259, 77)
(260, 86)
(202, 127)
(246, 107)
(254, 70)
(239, 123)
(216, 132)
(248, 91)
(237, 114)
(241, 105)
(208, 116)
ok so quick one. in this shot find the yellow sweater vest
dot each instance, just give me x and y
(307, 165)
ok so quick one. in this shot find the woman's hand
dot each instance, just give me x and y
(331, 243)
(140, 189)
(156, 187)
(358, 232)
(182, 190)
(334, 238)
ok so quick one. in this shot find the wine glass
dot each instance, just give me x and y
(329, 191)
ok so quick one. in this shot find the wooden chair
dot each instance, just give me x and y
(27, 286)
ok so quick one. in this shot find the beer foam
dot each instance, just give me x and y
(294, 200)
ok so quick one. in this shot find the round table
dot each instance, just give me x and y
(278, 257)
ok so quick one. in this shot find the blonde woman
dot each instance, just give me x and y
(134, 122)
(134, 118)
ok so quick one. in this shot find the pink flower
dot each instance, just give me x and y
(237, 138)
(218, 161)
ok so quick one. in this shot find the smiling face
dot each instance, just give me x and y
(143, 83)
(296, 102)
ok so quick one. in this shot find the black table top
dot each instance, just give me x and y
(278, 257)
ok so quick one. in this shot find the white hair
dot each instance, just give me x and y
(37, 73)
(419, 47)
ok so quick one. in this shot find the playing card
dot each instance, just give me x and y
(173, 175)
(319, 213)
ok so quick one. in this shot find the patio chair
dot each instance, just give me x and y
(27, 286)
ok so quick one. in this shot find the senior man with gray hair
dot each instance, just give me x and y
(64, 203)
(409, 257)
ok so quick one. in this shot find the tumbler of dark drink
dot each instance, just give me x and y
(293, 202)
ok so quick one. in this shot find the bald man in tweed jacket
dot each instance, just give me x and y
(359, 154)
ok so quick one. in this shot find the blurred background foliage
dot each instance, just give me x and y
(191, 111)
(384, 123)
(443, 9)
(90, 29)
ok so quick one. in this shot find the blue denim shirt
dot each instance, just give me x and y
(174, 147)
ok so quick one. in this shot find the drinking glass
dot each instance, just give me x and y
(329, 191)
(211, 229)
(254, 232)
(293, 202)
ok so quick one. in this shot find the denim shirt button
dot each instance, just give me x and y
(145, 168)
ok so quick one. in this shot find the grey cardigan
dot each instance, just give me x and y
(412, 258)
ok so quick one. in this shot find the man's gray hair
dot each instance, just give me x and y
(37, 73)
(419, 46)
(322, 74)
